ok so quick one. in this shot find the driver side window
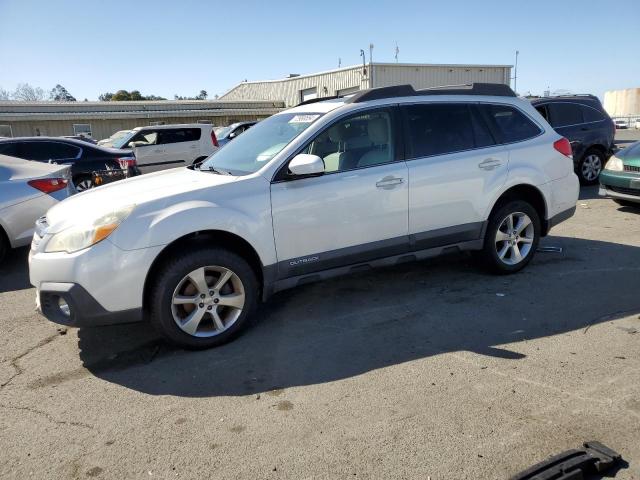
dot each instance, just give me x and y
(146, 138)
(359, 141)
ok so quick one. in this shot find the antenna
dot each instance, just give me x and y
(397, 52)
(339, 62)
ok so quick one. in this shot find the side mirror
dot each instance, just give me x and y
(305, 164)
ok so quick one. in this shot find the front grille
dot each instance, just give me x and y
(626, 191)
(631, 168)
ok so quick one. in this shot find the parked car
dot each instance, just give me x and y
(621, 124)
(385, 176)
(226, 134)
(81, 138)
(582, 120)
(108, 142)
(620, 178)
(84, 158)
(637, 124)
(169, 146)
(27, 191)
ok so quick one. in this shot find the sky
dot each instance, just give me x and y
(181, 47)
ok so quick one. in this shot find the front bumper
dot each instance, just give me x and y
(620, 185)
(101, 285)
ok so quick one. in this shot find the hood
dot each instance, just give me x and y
(133, 191)
(630, 153)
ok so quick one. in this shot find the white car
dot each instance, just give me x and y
(27, 190)
(326, 188)
(169, 146)
(637, 125)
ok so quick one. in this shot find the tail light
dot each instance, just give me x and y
(49, 185)
(127, 162)
(214, 140)
(564, 147)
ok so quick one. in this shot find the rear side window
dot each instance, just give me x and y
(45, 151)
(177, 135)
(591, 114)
(10, 149)
(440, 128)
(565, 114)
(511, 124)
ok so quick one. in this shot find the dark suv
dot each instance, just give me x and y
(582, 120)
(85, 159)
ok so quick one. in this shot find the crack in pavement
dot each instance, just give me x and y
(49, 416)
(14, 361)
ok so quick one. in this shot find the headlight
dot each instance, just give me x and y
(614, 164)
(82, 236)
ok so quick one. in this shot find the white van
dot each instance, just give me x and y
(160, 147)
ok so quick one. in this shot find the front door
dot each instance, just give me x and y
(356, 211)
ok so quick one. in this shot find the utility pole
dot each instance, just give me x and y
(515, 74)
(371, 65)
(339, 62)
(397, 52)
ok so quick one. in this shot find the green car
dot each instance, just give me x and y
(620, 178)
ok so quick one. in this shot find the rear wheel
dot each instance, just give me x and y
(590, 166)
(4, 244)
(83, 182)
(203, 299)
(511, 238)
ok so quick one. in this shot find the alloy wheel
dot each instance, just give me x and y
(514, 238)
(591, 167)
(207, 301)
(85, 184)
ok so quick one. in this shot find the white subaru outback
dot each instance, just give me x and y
(328, 187)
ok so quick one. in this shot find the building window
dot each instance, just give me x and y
(308, 94)
(83, 129)
(5, 131)
(157, 123)
(347, 91)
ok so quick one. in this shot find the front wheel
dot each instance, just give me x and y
(83, 182)
(511, 238)
(204, 298)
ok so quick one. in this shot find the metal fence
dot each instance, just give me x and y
(628, 121)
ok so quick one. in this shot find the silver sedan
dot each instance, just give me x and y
(27, 191)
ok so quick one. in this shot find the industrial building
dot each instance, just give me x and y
(101, 119)
(296, 88)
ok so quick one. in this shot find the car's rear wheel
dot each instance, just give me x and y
(83, 182)
(204, 298)
(4, 244)
(511, 238)
(590, 166)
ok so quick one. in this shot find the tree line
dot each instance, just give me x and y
(28, 93)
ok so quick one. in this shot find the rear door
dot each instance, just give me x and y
(455, 166)
(181, 145)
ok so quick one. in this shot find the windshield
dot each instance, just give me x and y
(122, 141)
(222, 132)
(254, 148)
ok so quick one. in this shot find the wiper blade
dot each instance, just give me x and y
(215, 170)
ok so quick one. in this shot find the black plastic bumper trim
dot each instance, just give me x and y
(84, 310)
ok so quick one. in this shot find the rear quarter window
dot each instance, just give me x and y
(564, 114)
(10, 149)
(591, 114)
(510, 123)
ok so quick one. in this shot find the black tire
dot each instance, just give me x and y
(584, 172)
(83, 182)
(489, 255)
(172, 274)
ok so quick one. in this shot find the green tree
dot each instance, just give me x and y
(60, 94)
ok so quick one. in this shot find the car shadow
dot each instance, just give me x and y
(589, 193)
(348, 326)
(14, 270)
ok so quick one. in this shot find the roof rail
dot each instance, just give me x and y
(486, 89)
(319, 99)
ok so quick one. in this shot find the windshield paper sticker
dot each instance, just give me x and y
(303, 118)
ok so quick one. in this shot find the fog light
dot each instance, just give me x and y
(63, 306)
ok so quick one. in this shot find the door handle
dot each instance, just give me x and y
(389, 182)
(489, 164)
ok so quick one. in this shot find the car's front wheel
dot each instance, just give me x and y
(511, 238)
(590, 166)
(204, 298)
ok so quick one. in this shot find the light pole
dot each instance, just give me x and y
(515, 74)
